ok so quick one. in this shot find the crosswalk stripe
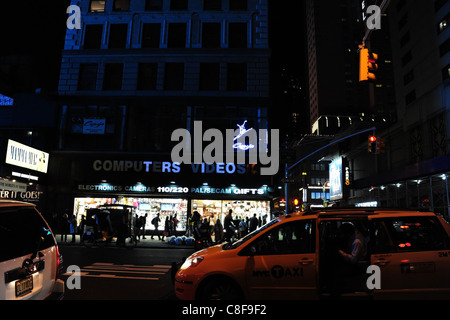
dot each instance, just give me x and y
(122, 271)
(113, 271)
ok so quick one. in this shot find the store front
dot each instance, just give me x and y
(171, 190)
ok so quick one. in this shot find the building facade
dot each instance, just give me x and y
(138, 70)
(414, 169)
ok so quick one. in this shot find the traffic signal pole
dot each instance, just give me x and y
(288, 169)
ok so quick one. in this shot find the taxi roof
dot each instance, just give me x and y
(360, 211)
(15, 203)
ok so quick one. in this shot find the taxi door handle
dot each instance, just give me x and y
(382, 262)
(306, 261)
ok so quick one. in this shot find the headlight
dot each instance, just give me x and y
(192, 262)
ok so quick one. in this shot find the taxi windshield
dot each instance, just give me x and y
(235, 244)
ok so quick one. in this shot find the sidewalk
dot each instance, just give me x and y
(143, 243)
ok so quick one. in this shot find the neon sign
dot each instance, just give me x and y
(240, 145)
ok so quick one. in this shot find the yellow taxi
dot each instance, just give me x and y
(373, 253)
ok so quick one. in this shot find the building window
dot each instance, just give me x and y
(445, 47)
(177, 35)
(316, 195)
(112, 77)
(97, 6)
(174, 76)
(87, 77)
(237, 77)
(400, 5)
(118, 36)
(153, 5)
(147, 76)
(408, 77)
(209, 76)
(238, 5)
(211, 35)
(93, 36)
(410, 97)
(121, 5)
(403, 21)
(405, 39)
(318, 181)
(178, 5)
(237, 35)
(407, 57)
(215, 5)
(151, 33)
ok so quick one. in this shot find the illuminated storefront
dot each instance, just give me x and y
(158, 186)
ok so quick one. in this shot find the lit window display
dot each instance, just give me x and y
(150, 206)
(242, 209)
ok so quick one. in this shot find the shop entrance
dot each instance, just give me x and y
(167, 209)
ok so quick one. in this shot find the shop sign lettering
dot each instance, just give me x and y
(166, 167)
(26, 195)
(106, 187)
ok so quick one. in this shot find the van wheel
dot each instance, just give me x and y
(220, 289)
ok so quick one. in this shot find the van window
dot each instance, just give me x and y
(289, 238)
(409, 234)
(22, 232)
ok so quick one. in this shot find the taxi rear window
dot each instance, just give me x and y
(410, 234)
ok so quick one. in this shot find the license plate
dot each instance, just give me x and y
(24, 286)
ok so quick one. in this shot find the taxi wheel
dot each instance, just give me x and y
(220, 289)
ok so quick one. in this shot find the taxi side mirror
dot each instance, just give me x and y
(252, 251)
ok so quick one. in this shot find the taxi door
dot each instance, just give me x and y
(281, 263)
(413, 254)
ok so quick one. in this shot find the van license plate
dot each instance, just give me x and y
(24, 286)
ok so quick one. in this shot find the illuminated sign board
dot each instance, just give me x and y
(24, 156)
(166, 167)
(336, 191)
(12, 186)
(94, 126)
(140, 188)
(6, 101)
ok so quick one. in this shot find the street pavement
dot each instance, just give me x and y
(148, 242)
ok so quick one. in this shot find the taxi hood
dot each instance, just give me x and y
(209, 250)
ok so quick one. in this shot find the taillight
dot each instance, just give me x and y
(58, 263)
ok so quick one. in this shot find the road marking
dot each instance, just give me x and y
(113, 271)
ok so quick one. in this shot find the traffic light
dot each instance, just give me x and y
(372, 144)
(296, 202)
(367, 65)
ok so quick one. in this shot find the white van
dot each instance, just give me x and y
(30, 262)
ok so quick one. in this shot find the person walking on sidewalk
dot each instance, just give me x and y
(73, 227)
(65, 227)
(166, 232)
(155, 223)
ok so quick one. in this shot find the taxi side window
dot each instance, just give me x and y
(409, 234)
(289, 238)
